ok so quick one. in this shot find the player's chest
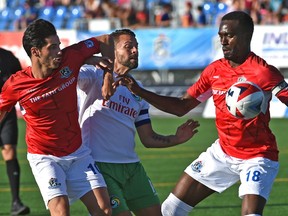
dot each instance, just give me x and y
(123, 102)
(222, 79)
(53, 90)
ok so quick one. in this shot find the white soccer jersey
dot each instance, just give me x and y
(108, 127)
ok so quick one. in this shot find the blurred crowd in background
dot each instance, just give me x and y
(17, 14)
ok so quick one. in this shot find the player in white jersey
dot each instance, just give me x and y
(109, 127)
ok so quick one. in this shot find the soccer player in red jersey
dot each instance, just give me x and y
(46, 91)
(245, 150)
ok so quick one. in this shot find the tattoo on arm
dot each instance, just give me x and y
(160, 138)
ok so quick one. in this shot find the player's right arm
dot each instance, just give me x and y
(174, 105)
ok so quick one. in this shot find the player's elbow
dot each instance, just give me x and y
(147, 144)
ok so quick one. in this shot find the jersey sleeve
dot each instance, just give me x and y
(201, 90)
(8, 96)
(89, 75)
(281, 92)
(279, 86)
(78, 53)
(143, 117)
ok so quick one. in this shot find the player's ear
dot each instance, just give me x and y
(35, 52)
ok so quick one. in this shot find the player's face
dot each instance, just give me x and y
(126, 52)
(234, 43)
(50, 55)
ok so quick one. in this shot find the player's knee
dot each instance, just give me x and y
(107, 211)
(173, 206)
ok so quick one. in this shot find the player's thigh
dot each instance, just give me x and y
(115, 178)
(257, 176)
(97, 201)
(190, 190)
(212, 169)
(140, 192)
(83, 176)
(49, 175)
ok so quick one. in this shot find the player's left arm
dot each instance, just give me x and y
(151, 139)
(106, 64)
(281, 92)
(107, 50)
(277, 84)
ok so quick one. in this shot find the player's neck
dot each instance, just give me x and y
(41, 72)
(121, 70)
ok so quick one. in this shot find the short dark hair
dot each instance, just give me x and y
(246, 24)
(115, 35)
(36, 33)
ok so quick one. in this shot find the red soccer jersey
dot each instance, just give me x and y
(242, 138)
(49, 105)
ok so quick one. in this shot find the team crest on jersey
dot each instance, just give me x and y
(114, 201)
(242, 79)
(137, 98)
(197, 166)
(53, 182)
(65, 72)
(89, 43)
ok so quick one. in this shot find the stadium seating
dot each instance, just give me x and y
(47, 13)
(60, 17)
(3, 24)
(213, 10)
(5, 18)
(74, 13)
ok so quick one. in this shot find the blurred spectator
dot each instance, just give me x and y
(268, 17)
(164, 19)
(283, 11)
(109, 9)
(141, 20)
(201, 18)
(92, 9)
(187, 18)
(46, 3)
(235, 5)
(29, 14)
(254, 11)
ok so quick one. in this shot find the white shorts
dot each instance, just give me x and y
(219, 171)
(73, 175)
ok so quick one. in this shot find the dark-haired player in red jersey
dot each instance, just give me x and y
(245, 150)
(46, 91)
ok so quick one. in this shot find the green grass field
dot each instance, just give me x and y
(164, 166)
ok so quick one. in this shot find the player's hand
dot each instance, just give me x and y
(129, 82)
(187, 130)
(107, 88)
(101, 62)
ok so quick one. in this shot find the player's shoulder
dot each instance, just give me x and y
(91, 70)
(219, 63)
(258, 62)
(261, 65)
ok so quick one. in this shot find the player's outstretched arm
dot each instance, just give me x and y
(174, 105)
(151, 139)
